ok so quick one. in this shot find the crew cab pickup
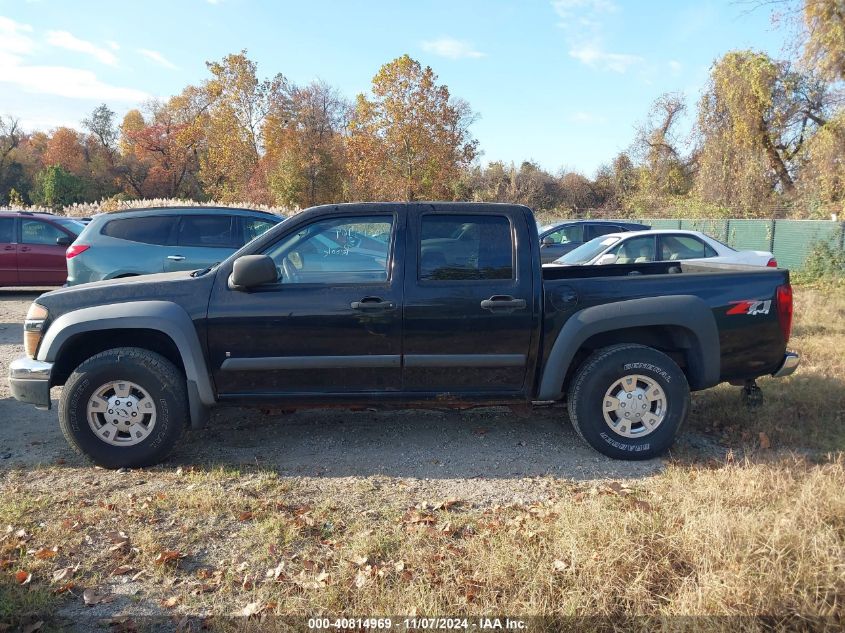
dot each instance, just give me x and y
(400, 303)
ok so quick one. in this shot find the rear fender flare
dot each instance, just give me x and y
(685, 311)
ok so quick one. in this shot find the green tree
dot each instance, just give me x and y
(55, 187)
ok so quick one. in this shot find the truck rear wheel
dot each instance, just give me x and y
(628, 401)
(125, 407)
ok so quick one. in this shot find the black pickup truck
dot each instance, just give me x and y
(383, 303)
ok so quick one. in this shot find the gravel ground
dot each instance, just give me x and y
(488, 455)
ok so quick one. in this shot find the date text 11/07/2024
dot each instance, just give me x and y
(419, 623)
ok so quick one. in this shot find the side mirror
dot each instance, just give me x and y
(64, 240)
(250, 271)
(607, 258)
(547, 241)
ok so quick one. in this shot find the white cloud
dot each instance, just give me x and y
(596, 58)
(68, 41)
(568, 8)
(63, 81)
(13, 38)
(113, 45)
(582, 22)
(675, 66)
(586, 117)
(451, 48)
(157, 57)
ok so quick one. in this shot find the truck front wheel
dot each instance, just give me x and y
(125, 407)
(628, 401)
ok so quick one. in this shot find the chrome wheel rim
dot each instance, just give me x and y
(634, 406)
(121, 413)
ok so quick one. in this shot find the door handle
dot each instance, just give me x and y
(372, 304)
(176, 258)
(25, 249)
(499, 302)
(9, 248)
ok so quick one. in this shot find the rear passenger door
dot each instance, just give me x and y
(8, 252)
(202, 241)
(468, 304)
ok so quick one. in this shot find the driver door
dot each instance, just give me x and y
(330, 324)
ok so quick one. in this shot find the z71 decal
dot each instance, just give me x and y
(751, 307)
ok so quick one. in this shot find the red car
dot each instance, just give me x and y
(32, 248)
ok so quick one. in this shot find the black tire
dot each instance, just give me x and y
(599, 372)
(165, 385)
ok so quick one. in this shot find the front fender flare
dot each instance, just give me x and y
(685, 311)
(163, 316)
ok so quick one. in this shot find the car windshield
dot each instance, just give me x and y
(73, 226)
(588, 251)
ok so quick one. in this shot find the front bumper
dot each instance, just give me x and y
(30, 381)
(790, 363)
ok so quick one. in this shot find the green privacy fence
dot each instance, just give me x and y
(791, 241)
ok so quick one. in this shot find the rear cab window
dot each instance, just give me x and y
(465, 247)
(158, 229)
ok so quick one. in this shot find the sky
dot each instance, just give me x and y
(560, 82)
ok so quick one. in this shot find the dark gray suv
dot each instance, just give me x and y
(556, 240)
(165, 239)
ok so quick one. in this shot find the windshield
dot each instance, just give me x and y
(71, 225)
(588, 251)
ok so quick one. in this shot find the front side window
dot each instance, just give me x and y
(336, 251)
(476, 247)
(636, 250)
(567, 234)
(675, 247)
(38, 232)
(147, 230)
(212, 231)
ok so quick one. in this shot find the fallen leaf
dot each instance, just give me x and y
(171, 602)
(645, 506)
(398, 566)
(23, 577)
(253, 608)
(64, 588)
(169, 557)
(245, 516)
(765, 442)
(62, 574)
(31, 628)
(93, 597)
(122, 570)
(360, 561)
(361, 580)
(45, 553)
(560, 566)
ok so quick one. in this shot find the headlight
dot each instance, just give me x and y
(33, 328)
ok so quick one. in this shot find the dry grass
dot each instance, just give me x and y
(755, 534)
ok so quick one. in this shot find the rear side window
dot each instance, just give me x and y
(207, 231)
(156, 229)
(675, 247)
(252, 228)
(7, 230)
(478, 247)
(597, 230)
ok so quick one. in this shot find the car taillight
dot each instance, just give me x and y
(75, 249)
(772, 263)
(784, 304)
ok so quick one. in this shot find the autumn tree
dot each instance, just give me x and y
(10, 170)
(753, 120)
(825, 37)
(304, 146)
(161, 156)
(410, 139)
(239, 104)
